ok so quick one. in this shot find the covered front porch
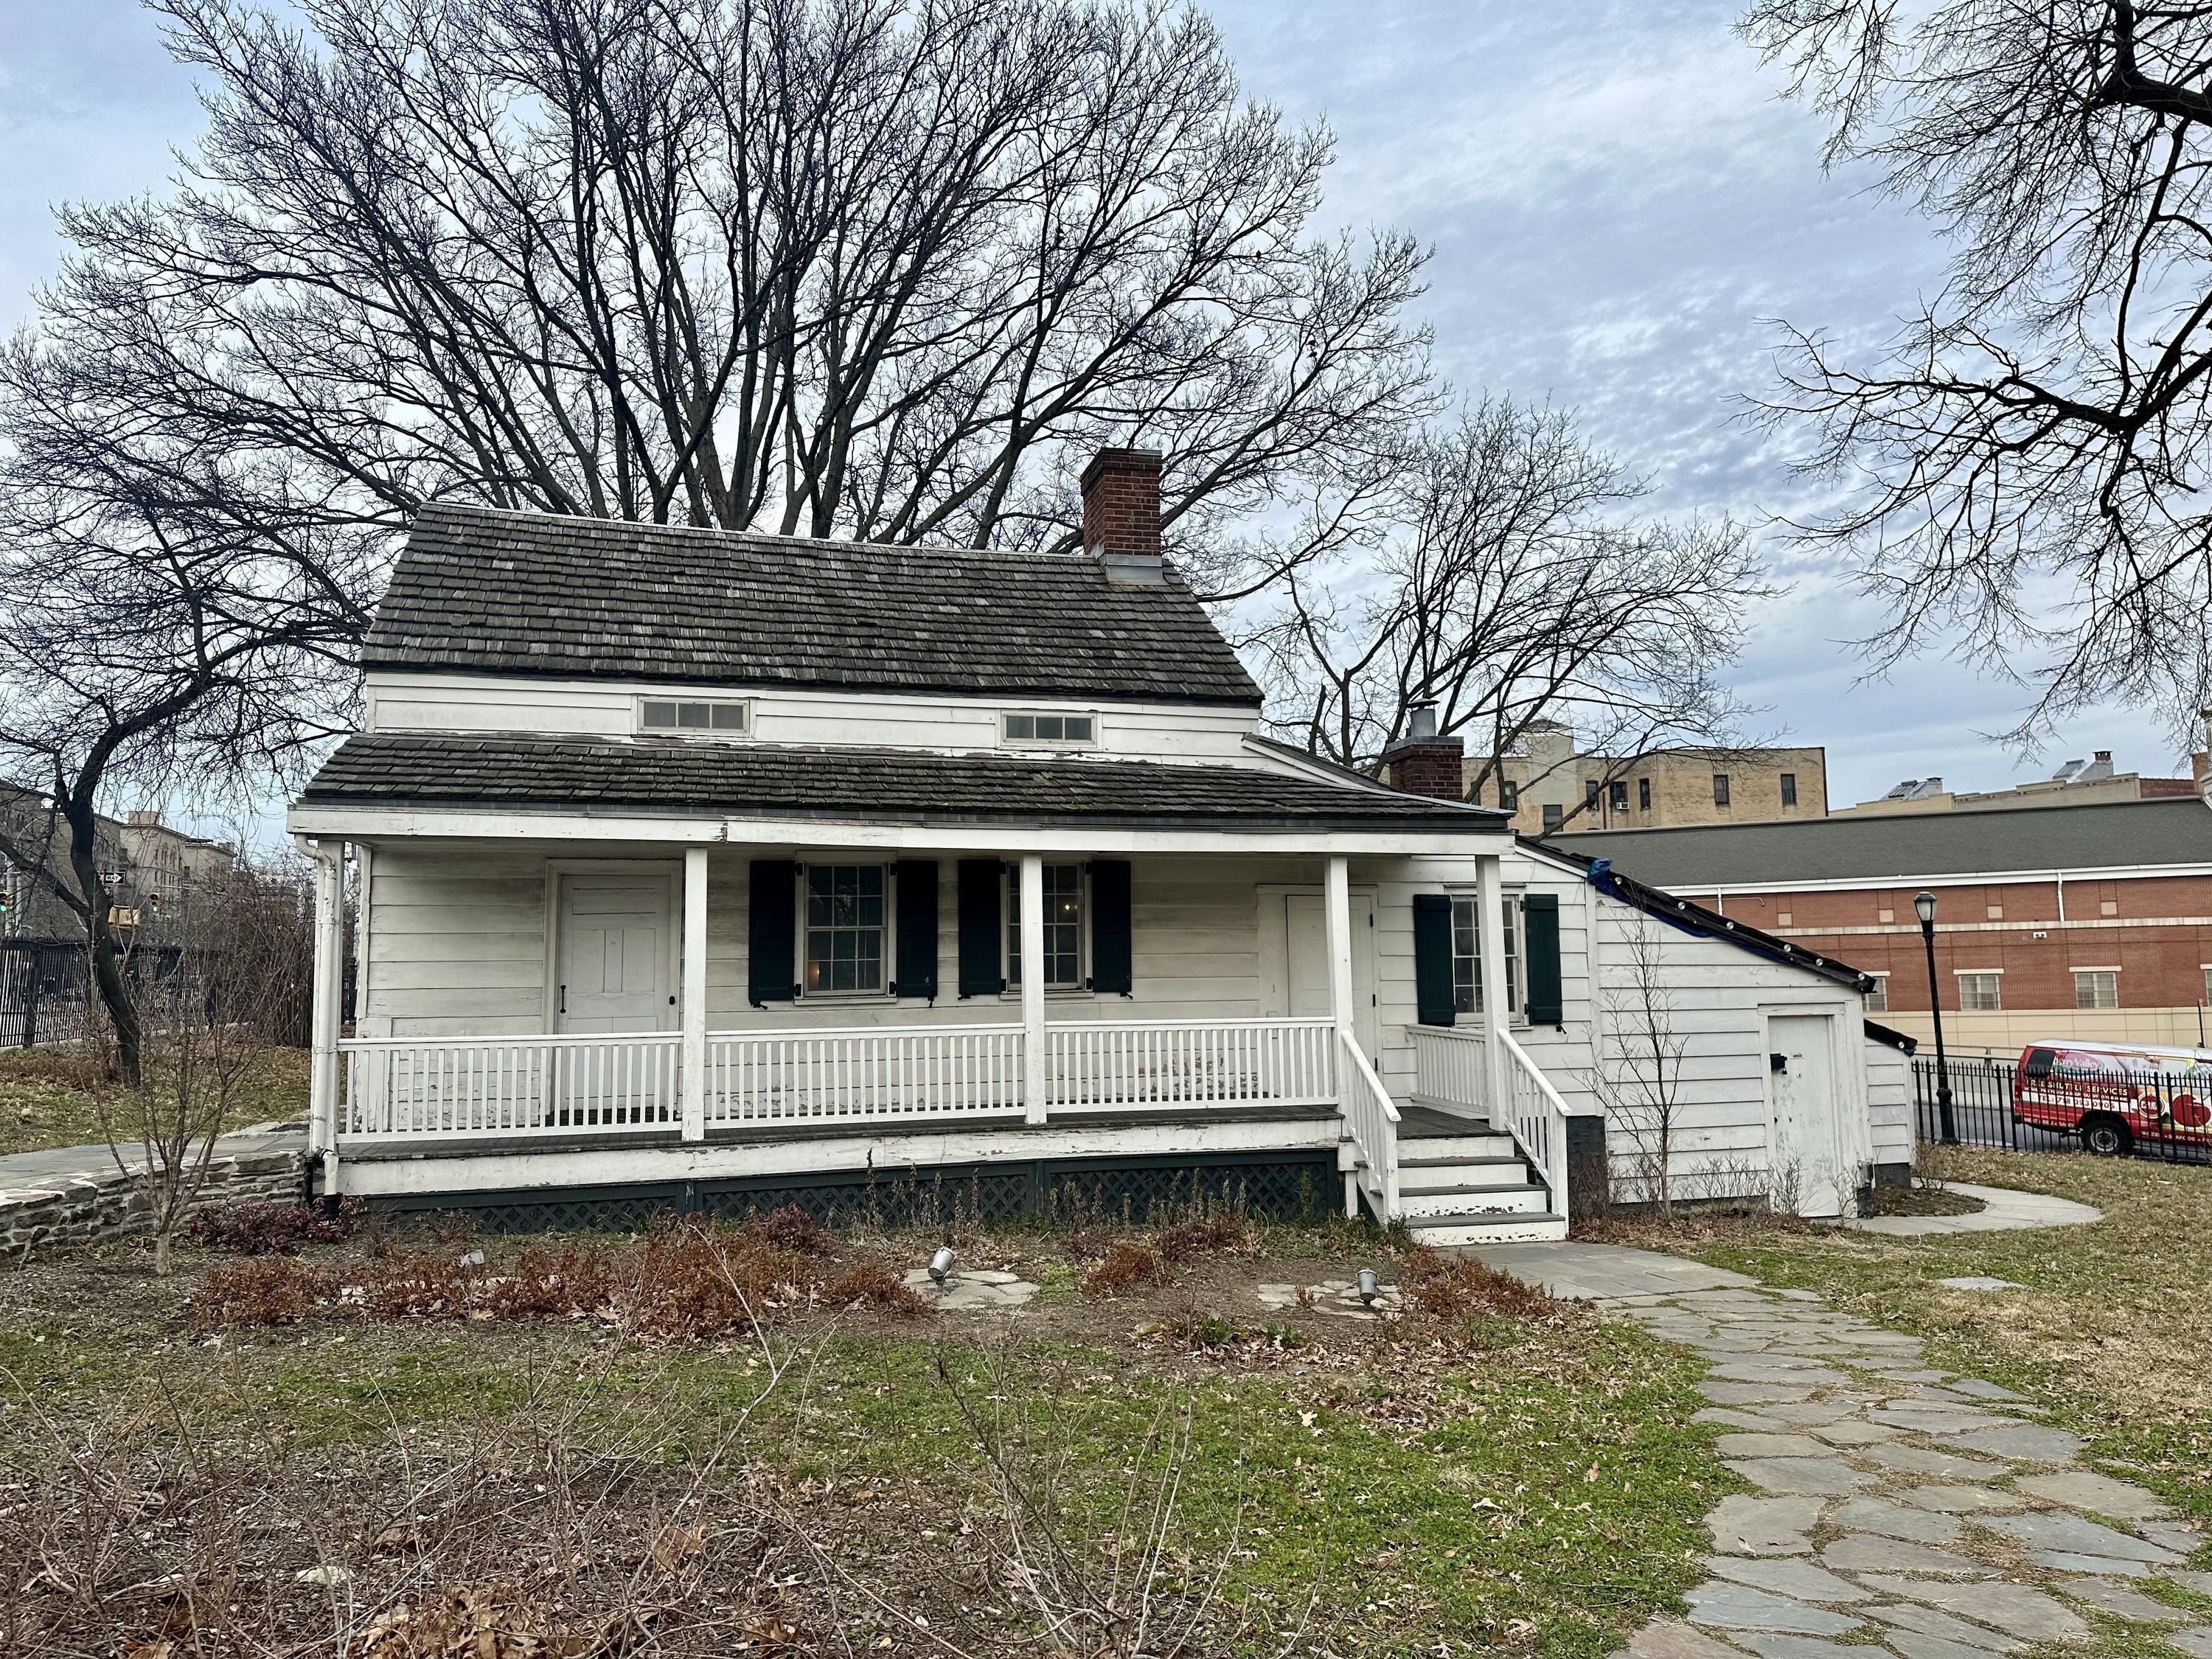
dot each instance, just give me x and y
(837, 1004)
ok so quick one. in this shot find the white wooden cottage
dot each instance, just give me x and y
(723, 871)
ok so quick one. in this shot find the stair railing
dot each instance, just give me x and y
(1373, 1121)
(1537, 1120)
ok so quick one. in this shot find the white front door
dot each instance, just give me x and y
(1306, 932)
(1809, 1177)
(616, 960)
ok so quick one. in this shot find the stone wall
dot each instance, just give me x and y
(101, 1206)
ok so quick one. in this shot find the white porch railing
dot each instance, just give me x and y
(866, 1074)
(1277, 1062)
(1451, 1066)
(402, 1087)
(1539, 1119)
(398, 1088)
(1371, 1120)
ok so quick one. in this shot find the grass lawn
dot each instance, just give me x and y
(2113, 1331)
(1094, 1471)
(44, 1101)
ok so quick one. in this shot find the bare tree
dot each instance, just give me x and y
(215, 1007)
(165, 644)
(1638, 1077)
(2026, 464)
(1495, 575)
(882, 268)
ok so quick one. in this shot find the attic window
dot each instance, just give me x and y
(1052, 728)
(672, 719)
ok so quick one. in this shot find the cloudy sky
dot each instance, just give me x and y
(1619, 204)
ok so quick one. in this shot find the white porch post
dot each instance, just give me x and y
(324, 1078)
(691, 1063)
(1490, 904)
(1336, 913)
(1336, 934)
(1035, 1058)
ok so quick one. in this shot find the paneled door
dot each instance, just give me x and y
(616, 962)
(1306, 930)
(1807, 1173)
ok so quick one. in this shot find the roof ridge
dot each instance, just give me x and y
(771, 538)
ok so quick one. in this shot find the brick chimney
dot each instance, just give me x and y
(1423, 763)
(1121, 514)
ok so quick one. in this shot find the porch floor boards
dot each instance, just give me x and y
(1427, 1123)
(1170, 1117)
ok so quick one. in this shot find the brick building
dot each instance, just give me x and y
(2089, 921)
(1551, 787)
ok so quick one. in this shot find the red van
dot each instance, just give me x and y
(2113, 1095)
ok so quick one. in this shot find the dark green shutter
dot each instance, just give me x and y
(1110, 971)
(771, 943)
(980, 880)
(1540, 936)
(1432, 959)
(917, 928)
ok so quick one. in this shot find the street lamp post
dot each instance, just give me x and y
(1925, 905)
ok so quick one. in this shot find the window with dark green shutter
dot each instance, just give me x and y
(771, 933)
(916, 963)
(980, 975)
(1432, 959)
(1539, 925)
(1111, 973)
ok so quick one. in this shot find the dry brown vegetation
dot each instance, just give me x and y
(683, 1282)
(748, 1440)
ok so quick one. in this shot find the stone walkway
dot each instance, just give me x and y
(2002, 1211)
(1900, 1509)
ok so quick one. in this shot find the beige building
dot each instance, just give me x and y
(1550, 788)
(2076, 783)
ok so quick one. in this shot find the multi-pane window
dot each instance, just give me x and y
(1619, 793)
(1467, 955)
(844, 928)
(1877, 1000)
(1508, 794)
(1644, 794)
(1063, 926)
(1051, 728)
(1554, 816)
(1589, 794)
(1720, 789)
(680, 718)
(2208, 982)
(1789, 788)
(1979, 993)
(2096, 988)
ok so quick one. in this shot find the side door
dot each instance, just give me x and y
(1803, 1136)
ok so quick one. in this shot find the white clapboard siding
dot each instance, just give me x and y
(461, 702)
(457, 942)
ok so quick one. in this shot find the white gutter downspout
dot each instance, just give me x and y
(323, 1079)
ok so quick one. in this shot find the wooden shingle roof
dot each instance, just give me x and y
(484, 591)
(397, 769)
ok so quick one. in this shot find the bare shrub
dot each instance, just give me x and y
(789, 1229)
(1223, 1231)
(267, 1229)
(873, 1284)
(1127, 1265)
(1121, 1591)
(272, 1290)
(1445, 1287)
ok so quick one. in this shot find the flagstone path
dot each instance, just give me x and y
(1900, 1508)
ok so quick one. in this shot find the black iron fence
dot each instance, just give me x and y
(2164, 1113)
(42, 989)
